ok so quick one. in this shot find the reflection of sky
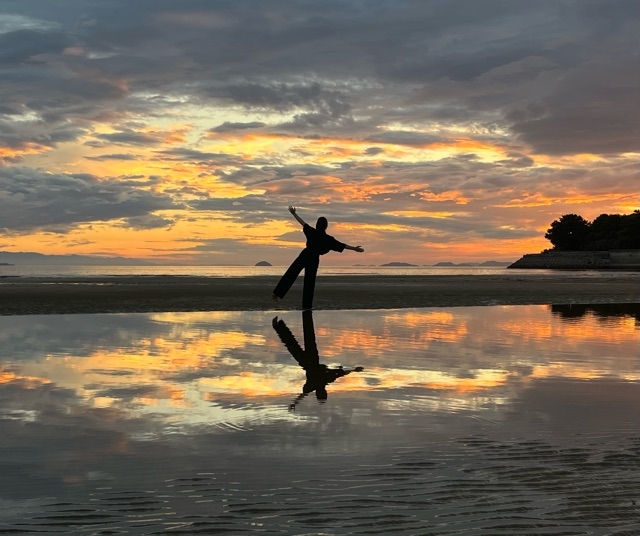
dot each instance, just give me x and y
(89, 397)
(228, 367)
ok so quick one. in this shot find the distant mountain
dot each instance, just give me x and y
(495, 263)
(398, 264)
(263, 263)
(75, 260)
(467, 264)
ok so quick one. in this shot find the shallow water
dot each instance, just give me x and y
(479, 420)
(68, 271)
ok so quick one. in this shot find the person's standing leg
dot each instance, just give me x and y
(310, 271)
(309, 333)
(287, 280)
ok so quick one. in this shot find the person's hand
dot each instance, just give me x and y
(358, 249)
(292, 209)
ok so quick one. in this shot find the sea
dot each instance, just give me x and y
(71, 271)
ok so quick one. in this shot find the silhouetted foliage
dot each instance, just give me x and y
(568, 233)
(608, 231)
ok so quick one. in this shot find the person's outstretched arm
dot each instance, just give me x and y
(295, 215)
(354, 248)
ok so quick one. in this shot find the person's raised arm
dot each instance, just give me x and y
(354, 248)
(295, 215)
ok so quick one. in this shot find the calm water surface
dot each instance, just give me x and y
(472, 421)
(66, 271)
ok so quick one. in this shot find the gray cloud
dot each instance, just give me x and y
(114, 156)
(148, 221)
(131, 137)
(24, 45)
(592, 110)
(34, 200)
(251, 209)
(21, 136)
(228, 126)
(186, 154)
(397, 137)
(281, 97)
(317, 106)
(329, 63)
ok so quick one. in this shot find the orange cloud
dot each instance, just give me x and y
(24, 149)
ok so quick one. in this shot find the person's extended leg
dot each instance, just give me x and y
(287, 280)
(310, 271)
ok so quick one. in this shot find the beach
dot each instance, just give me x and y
(131, 294)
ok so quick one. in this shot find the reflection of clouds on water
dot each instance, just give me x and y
(35, 337)
(136, 401)
(179, 364)
(566, 407)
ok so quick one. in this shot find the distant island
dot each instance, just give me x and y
(495, 263)
(263, 263)
(485, 263)
(30, 258)
(447, 264)
(6, 264)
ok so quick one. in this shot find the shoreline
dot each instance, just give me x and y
(142, 294)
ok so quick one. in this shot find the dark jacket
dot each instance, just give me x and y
(319, 242)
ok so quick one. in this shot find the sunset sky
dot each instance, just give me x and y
(179, 131)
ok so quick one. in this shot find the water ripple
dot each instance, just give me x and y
(487, 488)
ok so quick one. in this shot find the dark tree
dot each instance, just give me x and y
(606, 232)
(630, 232)
(568, 233)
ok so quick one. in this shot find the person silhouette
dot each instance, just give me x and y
(318, 243)
(318, 375)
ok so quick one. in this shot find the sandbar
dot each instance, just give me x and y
(138, 294)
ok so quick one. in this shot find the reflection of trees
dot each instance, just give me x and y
(318, 375)
(599, 310)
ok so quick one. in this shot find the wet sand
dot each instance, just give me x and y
(124, 294)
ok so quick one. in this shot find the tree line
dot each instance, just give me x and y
(608, 231)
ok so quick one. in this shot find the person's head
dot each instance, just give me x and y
(322, 224)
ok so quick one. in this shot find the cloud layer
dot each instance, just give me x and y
(425, 130)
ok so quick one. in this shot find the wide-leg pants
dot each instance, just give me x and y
(307, 357)
(309, 262)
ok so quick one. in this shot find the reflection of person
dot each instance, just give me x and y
(318, 243)
(318, 375)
